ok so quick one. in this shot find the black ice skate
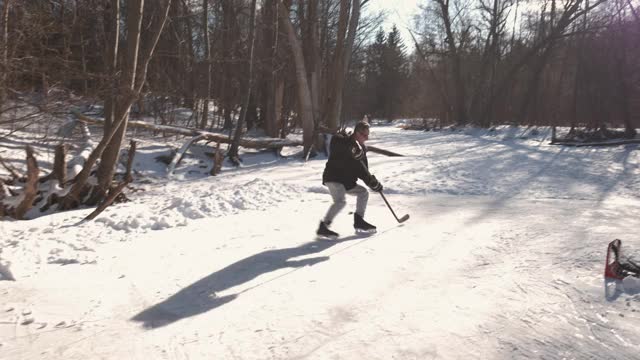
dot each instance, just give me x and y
(324, 232)
(361, 226)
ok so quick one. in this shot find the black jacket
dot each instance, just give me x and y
(347, 162)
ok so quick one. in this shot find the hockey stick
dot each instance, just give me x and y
(403, 218)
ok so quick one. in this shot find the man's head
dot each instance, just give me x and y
(361, 132)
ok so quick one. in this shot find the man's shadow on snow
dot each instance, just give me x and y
(201, 297)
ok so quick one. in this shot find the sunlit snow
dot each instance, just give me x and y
(502, 258)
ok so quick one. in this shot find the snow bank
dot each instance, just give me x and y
(63, 238)
(178, 203)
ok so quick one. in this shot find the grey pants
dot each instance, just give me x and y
(338, 192)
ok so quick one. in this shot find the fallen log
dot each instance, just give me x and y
(180, 154)
(198, 135)
(30, 188)
(596, 143)
(247, 142)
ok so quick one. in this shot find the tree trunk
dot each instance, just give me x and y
(332, 117)
(112, 30)
(571, 12)
(270, 75)
(233, 151)
(131, 86)
(30, 187)
(304, 94)
(189, 91)
(347, 26)
(531, 94)
(442, 91)
(59, 171)
(455, 56)
(622, 72)
(273, 90)
(126, 90)
(207, 53)
(313, 61)
(83, 61)
(228, 19)
(116, 191)
(490, 55)
(4, 50)
(278, 102)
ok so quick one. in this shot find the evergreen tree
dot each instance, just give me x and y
(374, 63)
(385, 72)
(394, 74)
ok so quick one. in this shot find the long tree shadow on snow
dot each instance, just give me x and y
(201, 297)
(547, 168)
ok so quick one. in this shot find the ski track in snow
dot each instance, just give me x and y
(502, 259)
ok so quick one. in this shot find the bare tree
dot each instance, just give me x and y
(454, 44)
(311, 50)
(494, 14)
(130, 84)
(4, 50)
(273, 77)
(305, 104)
(572, 10)
(207, 54)
(347, 26)
(233, 151)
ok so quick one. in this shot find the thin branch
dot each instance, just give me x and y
(634, 11)
(14, 174)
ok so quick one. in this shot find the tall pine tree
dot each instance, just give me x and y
(386, 70)
(394, 74)
(374, 64)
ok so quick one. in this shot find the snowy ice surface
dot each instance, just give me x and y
(631, 284)
(502, 258)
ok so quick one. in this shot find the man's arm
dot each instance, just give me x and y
(366, 176)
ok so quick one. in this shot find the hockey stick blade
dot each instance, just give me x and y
(402, 219)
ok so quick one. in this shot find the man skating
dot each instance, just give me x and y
(346, 164)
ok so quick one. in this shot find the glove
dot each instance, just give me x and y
(374, 184)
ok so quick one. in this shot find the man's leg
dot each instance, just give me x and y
(359, 224)
(362, 195)
(337, 192)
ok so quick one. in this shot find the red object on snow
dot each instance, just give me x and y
(613, 268)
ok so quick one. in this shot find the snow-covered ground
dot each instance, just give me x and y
(503, 258)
